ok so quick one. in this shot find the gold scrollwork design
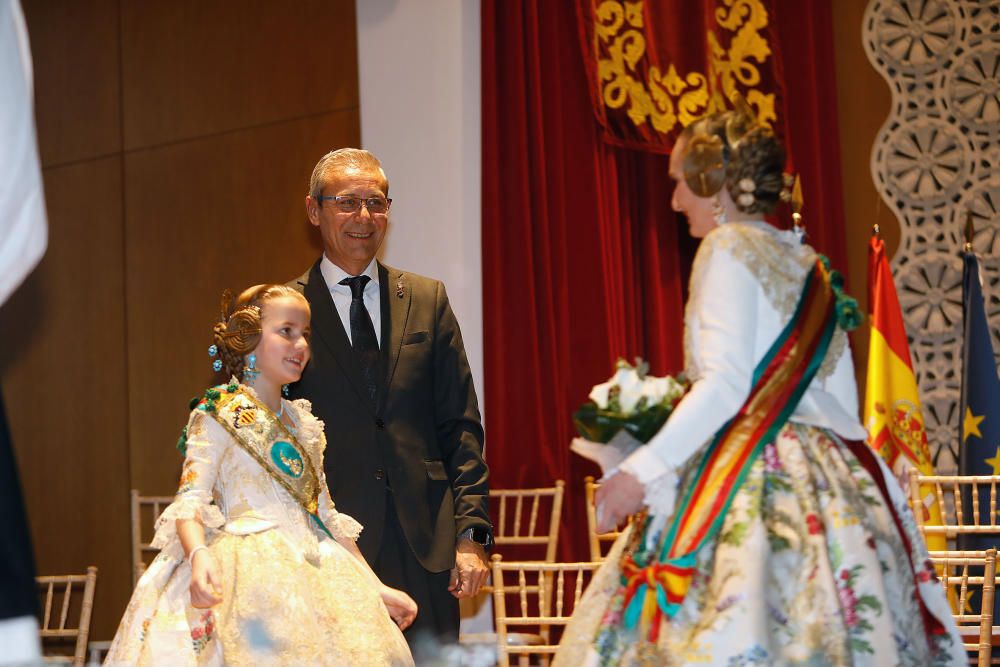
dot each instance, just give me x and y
(668, 98)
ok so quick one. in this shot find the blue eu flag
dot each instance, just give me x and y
(980, 405)
(980, 409)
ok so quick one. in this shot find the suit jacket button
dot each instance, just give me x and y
(379, 474)
(379, 424)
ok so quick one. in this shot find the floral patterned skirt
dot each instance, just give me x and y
(810, 567)
(277, 609)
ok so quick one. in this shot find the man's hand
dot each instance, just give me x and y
(618, 498)
(401, 606)
(470, 570)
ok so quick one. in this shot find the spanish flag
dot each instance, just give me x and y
(893, 415)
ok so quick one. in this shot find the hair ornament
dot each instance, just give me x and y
(745, 199)
(704, 164)
(747, 185)
(797, 202)
(708, 154)
(742, 121)
(787, 181)
(239, 325)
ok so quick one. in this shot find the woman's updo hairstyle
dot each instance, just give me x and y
(238, 330)
(731, 149)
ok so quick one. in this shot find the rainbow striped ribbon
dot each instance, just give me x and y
(658, 589)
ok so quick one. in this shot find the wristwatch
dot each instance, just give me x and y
(480, 535)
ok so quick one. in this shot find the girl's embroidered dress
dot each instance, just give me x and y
(290, 594)
(817, 560)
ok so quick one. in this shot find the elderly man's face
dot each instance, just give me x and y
(350, 240)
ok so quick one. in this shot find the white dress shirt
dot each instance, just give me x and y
(745, 283)
(342, 296)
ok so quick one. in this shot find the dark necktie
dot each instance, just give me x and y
(363, 338)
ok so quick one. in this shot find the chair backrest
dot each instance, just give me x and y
(528, 518)
(968, 503)
(598, 542)
(65, 594)
(962, 573)
(532, 595)
(145, 511)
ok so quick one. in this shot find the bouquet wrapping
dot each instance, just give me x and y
(624, 413)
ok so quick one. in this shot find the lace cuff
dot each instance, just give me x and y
(661, 494)
(342, 526)
(658, 479)
(186, 507)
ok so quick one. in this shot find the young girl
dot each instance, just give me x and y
(256, 565)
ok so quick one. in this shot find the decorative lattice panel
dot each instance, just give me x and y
(936, 157)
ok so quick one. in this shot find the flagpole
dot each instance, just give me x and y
(962, 398)
(970, 230)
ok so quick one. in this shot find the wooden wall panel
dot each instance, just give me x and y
(65, 385)
(77, 73)
(863, 101)
(196, 67)
(225, 108)
(222, 212)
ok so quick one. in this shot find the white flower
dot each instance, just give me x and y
(599, 394)
(654, 389)
(630, 384)
(674, 388)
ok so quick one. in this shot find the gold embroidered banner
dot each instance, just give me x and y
(656, 65)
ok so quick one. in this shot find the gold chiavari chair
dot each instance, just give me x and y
(528, 518)
(959, 574)
(145, 511)
(64, 594)
(535, 597)
(598, 542)
(968, 504)
(526, 524)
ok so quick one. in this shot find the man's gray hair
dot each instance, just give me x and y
(341, 160)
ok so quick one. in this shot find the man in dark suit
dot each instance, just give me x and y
(390, 379)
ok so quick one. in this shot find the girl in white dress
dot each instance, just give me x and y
(256, 566)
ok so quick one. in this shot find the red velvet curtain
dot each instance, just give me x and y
(583, 259)
(805, 51)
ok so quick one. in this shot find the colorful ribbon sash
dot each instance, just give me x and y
(261, 434)
(657, 589)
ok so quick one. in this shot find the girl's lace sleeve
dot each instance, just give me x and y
(340, 525)
(206, 443)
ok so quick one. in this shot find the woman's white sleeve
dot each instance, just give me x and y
(726, 302)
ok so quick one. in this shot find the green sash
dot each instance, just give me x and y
(260, 433)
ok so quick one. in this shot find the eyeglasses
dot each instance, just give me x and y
(353, 204)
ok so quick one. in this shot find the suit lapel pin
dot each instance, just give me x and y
(399, 289)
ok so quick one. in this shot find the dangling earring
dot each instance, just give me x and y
(250, 373)
(284, 390)
(217, 364)
(718, 211)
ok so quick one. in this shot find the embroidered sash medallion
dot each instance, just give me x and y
(261, 434)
